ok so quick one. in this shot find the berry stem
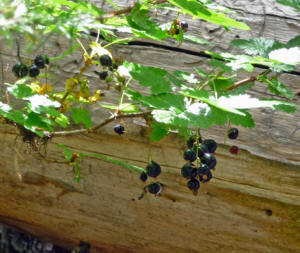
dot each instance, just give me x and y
(123, 92)
(101, 124)
(248, 80)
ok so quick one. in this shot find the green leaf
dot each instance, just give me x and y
(206, 98)
(81, 115)
(277, 87)
(221, 84)
(199, 10)
(172, 102)
(159, 131)
(34, 120)
(150, 77)
(38, 103)
(293, 3)
(244, 121)
(280, 105)
(66, 151)
(133, 168)
(247, 102)
(295, 42)
(143, 26)
(62, 120)
(200, 72)
(221, 65)
(125, 107)
(257, 46)
(203, 115)
(186, 76)
(170, 118)
(20, 91)
(196, 39)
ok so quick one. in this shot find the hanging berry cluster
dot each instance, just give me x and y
(201, 152)
(21, 70)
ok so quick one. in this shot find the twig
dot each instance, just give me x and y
(126, 10)
(101, 124)
(247, 80)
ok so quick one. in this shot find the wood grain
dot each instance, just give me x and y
(251, 205)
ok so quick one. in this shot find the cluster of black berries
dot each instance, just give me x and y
(202, 150)
(21, 70)
(232, 134)
(107, 62)
(153, 169)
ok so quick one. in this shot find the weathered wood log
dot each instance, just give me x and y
(251, 205)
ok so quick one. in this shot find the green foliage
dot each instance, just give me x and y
(199, 10)
(168, 100)
(81, 115)
(293, 3)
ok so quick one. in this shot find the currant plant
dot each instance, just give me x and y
(177, 100)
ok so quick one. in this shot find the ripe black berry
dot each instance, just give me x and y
(33, 71)
(202, 149)
(184, 25)
(190, 155)
(192, 140)
(155, 188)
(20, 70)
(203, 167)
(234, 150)
(193, 184)
(143, 177)
(189, 171)
(103, 75)
(41, 61)
(153, 169)
(233, 133)
(119, 129)
(209, 160)
(205, 175)
(211, 145)
(105, 60)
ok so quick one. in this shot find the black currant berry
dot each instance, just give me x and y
(205, 175)
(105, 60)
(203, 167)
(155, 188)
(233, 133)
(119, 129)
(41, 61)
(143, 177)
(177, 31)
(184, 25)
(20, 70)
(189, 171)
(103, 75)
(202, 149)
(153, 169)
(34, 71)
(190, 155)
(190, 142)
(193, 184)
(234, 150)
(209, 160)
(211, 145)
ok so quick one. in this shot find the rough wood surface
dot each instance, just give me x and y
(251, 205)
